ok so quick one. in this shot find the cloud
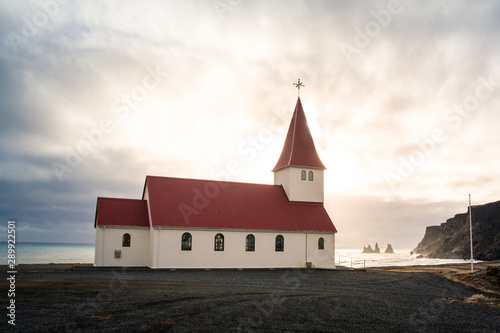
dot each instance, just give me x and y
(226, 79)
(363, 220)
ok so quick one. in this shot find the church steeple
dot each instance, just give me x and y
(299, 149)
(299, 169)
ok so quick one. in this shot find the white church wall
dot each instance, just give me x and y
(153, 248)
(203, 255)
(301, 190)
(109, 239)
(321, 258)
(99, 247)
(282, 177)
(146, 197)
(153, 237)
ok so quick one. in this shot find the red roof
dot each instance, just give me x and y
(299, 149)
(121, 212)
(178, 202)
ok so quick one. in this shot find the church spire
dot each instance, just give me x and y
(299, 149)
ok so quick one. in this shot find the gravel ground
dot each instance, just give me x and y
(57, 298)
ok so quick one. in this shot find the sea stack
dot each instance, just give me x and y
(377, 249)
(389, 249)
(367, 249)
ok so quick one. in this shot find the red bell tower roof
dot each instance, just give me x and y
(299, 149)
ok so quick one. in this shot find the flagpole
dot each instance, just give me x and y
(471, 247)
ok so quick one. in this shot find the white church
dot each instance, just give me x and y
(193, 223)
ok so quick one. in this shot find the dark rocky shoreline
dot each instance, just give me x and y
(451, 239)
(57, 298)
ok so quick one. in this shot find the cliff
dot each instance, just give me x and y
(451, 239)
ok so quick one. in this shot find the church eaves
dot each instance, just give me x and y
(299, 149)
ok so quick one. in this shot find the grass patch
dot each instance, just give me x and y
(101, 317)
(478, 298)
(493, 274)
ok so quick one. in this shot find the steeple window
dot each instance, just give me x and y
(303, 175)
(311, 176)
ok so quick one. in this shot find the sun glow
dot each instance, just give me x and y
(343, 172)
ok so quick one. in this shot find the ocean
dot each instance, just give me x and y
(402, 257)
(46, 253)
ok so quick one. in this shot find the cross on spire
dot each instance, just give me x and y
(298, 85)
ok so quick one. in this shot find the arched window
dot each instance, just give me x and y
(219, 242)
(311, 176)
(250, 243)
(303, 175)
(321, 243)
(279, 244)
(186, 241)
(126, 240)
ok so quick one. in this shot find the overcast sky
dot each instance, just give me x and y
(402, 100)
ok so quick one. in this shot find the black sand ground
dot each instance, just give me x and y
(55, 298)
